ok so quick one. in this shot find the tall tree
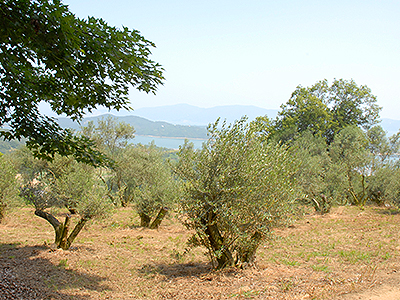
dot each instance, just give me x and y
(48, 54)
(325, 109)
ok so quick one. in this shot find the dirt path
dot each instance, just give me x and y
(388, 289)
(384, 292)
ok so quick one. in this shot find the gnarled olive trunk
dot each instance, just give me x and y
(62, 240)
(224, 256)
(2, 210)
(160, 217)
(145, 219)
(246, 255)
(222, 253)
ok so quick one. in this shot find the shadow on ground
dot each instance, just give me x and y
(26, 275)
(177, 270)
(388, 211)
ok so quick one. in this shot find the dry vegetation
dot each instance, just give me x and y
(347, 254)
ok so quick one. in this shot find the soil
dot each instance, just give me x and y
(348, 254)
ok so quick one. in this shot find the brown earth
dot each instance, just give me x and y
(347, 254)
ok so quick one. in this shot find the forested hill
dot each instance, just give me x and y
(146, 127)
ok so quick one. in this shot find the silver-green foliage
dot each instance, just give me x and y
(237, 187)
(63, 183)
(8, 185)
(112, 137)
(148, 181)
(317, 175)
(350, 151)
(384, 181)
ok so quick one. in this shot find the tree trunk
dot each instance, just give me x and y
(58, 227)
(61, 230)
(2, 210)
(224, 256)
(157, 221)
(216, 241)
(144, 220)
(64, 233)
(246, 257)
(75, 232)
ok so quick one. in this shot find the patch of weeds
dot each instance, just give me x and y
(176, 255)
(115, 224)
(246, 294)
(84, 240)
(292, 263)
(175, 239)
(86, 263)
(354, 256)
(386, 256)
(149, 270)
(313, 254)
(322, 268)
(63, 263)
(286, 285)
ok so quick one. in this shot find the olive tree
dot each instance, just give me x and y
(384, 184)
(384, 178)
(148, 183)
(63, 183)
(112, 137)
(318, 176)
(9, 193)
(236, 189)
(350, 151)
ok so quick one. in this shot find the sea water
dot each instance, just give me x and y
(170, 143)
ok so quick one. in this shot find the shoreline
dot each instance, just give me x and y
(170, 137)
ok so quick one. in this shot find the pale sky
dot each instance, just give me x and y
(257, 52)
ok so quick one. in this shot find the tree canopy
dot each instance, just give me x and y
(325, 109)
(75, 65)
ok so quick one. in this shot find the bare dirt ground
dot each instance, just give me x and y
(347, 254)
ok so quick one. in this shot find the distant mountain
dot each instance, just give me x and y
(185, 114)
(7, 146)
(146, 127)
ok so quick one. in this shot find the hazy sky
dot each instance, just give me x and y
(256, 52)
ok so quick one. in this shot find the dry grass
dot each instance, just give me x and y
(320, 257)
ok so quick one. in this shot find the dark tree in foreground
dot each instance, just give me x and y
(236, 189)
(75, 65)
